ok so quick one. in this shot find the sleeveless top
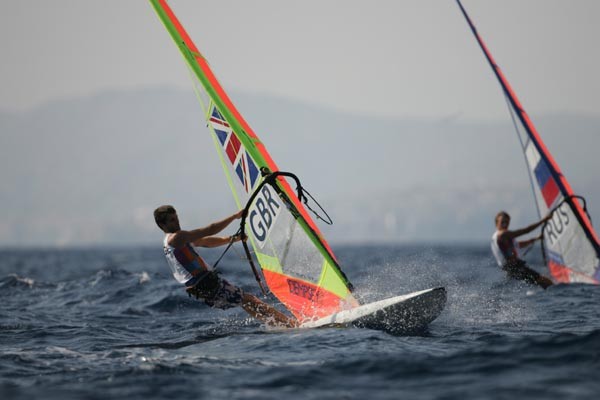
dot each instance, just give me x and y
(186, 265)
(503, 252)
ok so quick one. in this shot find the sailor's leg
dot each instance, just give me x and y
(521, 271)
(266, 313)
(533, 277)
(543, 281)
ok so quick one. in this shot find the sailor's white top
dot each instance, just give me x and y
(499, 254)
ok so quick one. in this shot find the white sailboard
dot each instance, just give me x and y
(409, 313)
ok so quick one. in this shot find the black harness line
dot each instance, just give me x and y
(226, 249)
(304, 199)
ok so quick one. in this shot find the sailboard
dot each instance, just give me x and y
(298, 265)
(409, 313)
(570, 247)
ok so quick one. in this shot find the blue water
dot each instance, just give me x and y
(112, 323)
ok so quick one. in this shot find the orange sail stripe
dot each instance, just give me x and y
(304, 299)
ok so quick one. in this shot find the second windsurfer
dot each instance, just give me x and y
(506, 250)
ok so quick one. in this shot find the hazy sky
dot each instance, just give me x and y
(340, 61)
(394, 58)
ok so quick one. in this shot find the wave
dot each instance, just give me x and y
(174, 302)
(15, 281)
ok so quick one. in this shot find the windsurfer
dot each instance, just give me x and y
(506, 250)
(200, 280)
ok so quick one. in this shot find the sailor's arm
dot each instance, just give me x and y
(216, 241)
(527, 229)
(214, 228)
(182, 237)
(529, 242)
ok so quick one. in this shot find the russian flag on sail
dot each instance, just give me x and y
(242, 163)
(546, 183)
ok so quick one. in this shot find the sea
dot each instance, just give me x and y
(104, 323)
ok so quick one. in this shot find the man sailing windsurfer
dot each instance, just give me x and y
(506, 250)
(199, 278)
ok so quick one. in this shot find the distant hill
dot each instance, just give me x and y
(89, 171)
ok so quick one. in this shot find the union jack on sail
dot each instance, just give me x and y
(241, 161)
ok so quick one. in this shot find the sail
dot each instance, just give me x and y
(297, 263)
(571, 246)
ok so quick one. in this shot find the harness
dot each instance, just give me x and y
(186, 265)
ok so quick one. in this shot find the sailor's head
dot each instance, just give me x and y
(166, 219)
(502, 220)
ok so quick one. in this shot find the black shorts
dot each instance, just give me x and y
(519, 270)
(217, 292)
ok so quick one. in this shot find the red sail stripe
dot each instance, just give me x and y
(219, 121)
(304, 299)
